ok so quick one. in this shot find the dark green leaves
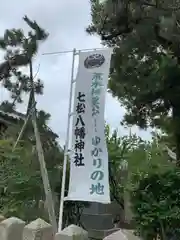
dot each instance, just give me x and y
(156, 205)
(19, 50)
(40, 34)
(145, 72)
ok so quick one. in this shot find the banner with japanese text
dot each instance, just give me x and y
(89, 175)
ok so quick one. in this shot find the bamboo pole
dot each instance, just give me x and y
(43, 169)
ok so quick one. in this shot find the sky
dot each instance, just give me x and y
(65, 21)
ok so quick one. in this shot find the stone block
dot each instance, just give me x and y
(2, 218)
(38, 230)
(97, 221)
(122, 234)
(118, 235)
(100, 234)
(103, 208)
(11, 229)
(72, 232)
(130, 235)
(96, 208)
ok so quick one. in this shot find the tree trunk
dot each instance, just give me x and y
(40, 153)
(176, 123)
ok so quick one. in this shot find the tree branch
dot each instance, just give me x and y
(145, 3)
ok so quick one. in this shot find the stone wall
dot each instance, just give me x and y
(15, 229)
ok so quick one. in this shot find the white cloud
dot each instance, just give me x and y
(66, 22)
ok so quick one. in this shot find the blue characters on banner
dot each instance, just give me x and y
(97, 175)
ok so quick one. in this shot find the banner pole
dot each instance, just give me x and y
(66, 148)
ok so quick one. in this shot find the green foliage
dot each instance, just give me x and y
(144, 78)
(20, 177)
(22, 196)
(145, 66)
(53, 157)
(151, 177)
(19, 51)
(118, 151)
(156, 205)
(130, 160)
(20, 182)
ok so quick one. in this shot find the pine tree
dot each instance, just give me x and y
(19, 51)
(146, 62)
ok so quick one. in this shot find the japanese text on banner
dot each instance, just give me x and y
(79, 131)
(98, 174)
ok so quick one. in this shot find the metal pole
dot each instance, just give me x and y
(66, 148)
(69, 51)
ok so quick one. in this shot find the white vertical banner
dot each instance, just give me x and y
(89, 175)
